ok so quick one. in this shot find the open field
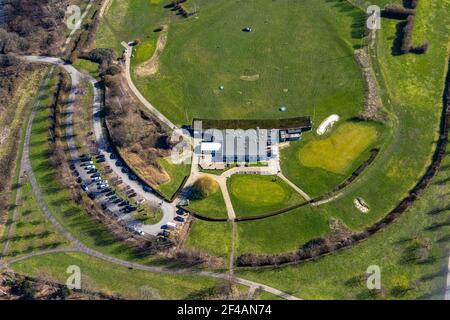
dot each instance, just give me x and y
(211, 237)
(257, 194)
(98, 275)
(281, 233)
(212, 206)
(191, 71)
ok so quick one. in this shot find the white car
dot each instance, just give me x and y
(95, 179)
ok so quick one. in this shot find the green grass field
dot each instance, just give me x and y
(191, 71)
(212, 237)
(257, 194)
(176, 172)
(98, 275)
(281, 233)
(212, 206)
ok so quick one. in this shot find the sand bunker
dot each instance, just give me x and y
(254, 77)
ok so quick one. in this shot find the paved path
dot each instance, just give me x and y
(137, 93)
(294, 186)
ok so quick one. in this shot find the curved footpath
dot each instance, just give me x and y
(79, 246)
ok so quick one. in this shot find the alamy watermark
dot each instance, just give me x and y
(73, 17)
(74, 280)
(373, 277)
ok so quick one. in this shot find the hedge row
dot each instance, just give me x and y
(327, 245)
(395, 11)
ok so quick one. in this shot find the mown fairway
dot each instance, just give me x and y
(256, 194)
(299, 54)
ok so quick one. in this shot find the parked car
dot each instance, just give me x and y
(113, 198)
(140, 201)
(79, 180)
(101, 160)
(106, 190)
(119, 163)
(125, 170)
(95, 175)
(132, 195)
(76, 173)
(110, 193)
(180, 212)
(104, 206)
(100, 156)
(179, 219)
(92, 171)
(147, 189)
(117, 201)
(84, 187)
(113, 156)
(95, 179)
(132, 177)
(91, 195)
(72, 167)
(89, 167)
(87, 163)
(109, 149)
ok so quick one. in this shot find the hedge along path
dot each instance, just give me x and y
(150, 67)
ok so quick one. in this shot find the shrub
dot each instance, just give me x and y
(421, 49)
(407, 34)
(395, 11)
(204, 187)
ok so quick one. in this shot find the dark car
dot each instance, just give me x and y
(100, 156)
(122, 204)
(180, 212)
(104, 206)
(164, 233)
(132, 195)
(92, 171)
(106, 190)
(179, 219)
(79, 180)
(109, 194)
(113, 156)
(147, 189)
(84, 187)
(109, 149)
(101, 160)
(91, 195)
(119, 163)
(72, 167)
(117, 201)
(132, 177)
(76, 173)
(95, 175)
(125, 170)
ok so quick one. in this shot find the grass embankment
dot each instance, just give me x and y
(32, 231)
(176, 172)
(98, 275)
(212, 206)
(12, 125)
(257, 194)
(89, 67)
